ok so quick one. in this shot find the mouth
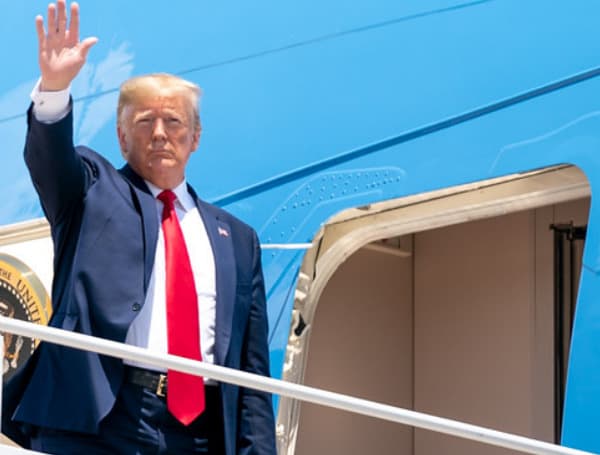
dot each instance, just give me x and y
(160, 157)
(163, 153)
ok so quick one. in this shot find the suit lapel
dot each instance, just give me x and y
(219, 234)
(146, 205)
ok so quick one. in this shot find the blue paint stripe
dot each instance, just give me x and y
(331, 36)
(319, 166)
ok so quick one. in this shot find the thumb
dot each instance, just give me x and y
(86, 45)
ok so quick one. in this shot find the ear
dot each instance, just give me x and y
(196, 139)
(122, 141)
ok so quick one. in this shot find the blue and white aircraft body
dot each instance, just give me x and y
(311, 108)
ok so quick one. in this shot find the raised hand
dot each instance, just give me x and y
(61, 54)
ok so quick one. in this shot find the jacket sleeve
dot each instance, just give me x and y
(256, 428)
(59, 174)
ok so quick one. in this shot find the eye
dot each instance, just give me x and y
(143, 121)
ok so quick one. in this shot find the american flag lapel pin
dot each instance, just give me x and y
(223, 232)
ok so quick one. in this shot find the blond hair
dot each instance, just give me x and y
(135, 88)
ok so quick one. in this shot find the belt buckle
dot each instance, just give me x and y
(161, 388)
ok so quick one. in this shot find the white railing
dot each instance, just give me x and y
(285, 246)
(296, 391)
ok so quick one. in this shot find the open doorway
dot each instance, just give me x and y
(456, 321)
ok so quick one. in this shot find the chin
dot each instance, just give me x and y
(161, 163)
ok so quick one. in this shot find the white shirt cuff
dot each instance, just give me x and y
(50, 107)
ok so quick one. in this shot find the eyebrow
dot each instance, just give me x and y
(165, 111)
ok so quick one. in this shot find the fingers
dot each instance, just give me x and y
(61, 21)
(51, 18)
(74, 24)
(60, 28)
(57, 18)
(39, 28)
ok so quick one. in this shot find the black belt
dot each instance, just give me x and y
(153, 380)
(157, 381)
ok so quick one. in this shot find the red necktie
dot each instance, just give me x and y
(185, 392)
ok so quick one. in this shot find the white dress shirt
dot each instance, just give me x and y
(149, 328)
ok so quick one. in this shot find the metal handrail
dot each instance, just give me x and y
(286, 246)
(296, 391)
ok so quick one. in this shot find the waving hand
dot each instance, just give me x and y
(61, 54)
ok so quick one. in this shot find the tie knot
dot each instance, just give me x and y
(167, 197)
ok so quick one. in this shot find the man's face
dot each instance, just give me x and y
(157, 134)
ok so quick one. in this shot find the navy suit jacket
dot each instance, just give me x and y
(104, 226)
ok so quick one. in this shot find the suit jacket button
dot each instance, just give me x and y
(136, 306)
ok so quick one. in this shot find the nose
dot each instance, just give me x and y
(158, 130)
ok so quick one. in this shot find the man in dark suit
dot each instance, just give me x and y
(132, 247)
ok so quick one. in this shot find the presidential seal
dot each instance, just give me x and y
(22, 296)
